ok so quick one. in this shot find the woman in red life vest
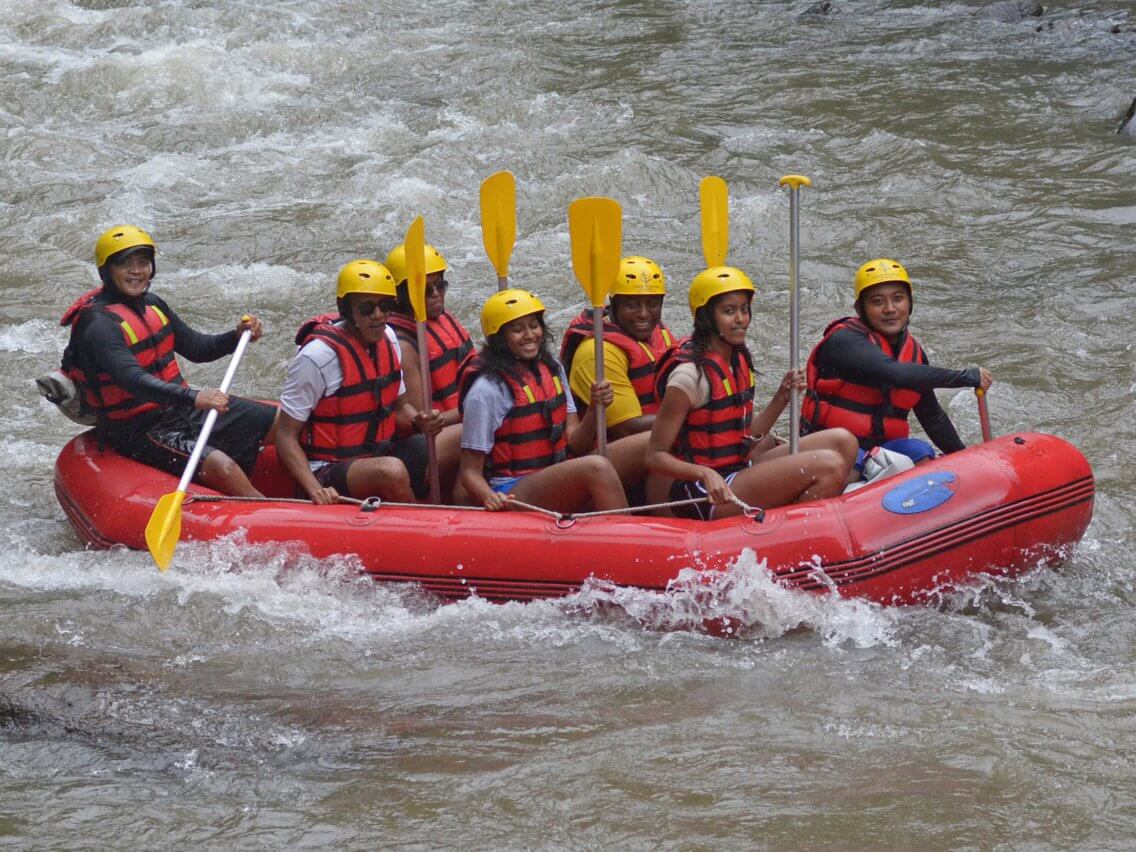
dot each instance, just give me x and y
(705, 431)
(634, 340)
(519, 421)
(122, 356)
(868, 373)
(344, 404)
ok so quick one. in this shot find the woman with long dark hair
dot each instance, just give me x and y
(519, 422)
(706, 435)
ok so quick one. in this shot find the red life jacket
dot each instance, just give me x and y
(871, 413)
(641, 357)
(358, 420)
(150, 339)
(714, 435)
(534, 432)
(447, 345)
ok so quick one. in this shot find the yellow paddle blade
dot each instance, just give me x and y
(164, 528)
(499, 219)
(714, 202)
(416, 267)
(595, 226)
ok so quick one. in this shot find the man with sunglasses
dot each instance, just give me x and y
(344, 401)
(122, 358)
(448, 342)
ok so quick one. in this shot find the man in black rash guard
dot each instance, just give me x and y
(868, 372)
(122, 351)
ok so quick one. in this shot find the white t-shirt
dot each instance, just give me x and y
(314, 373)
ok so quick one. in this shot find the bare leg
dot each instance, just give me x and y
(221, 473)
(448, 448)
(382, 476)
(658, 490)
(571, 485)
(839, 440)
(629, 458)
(799, 478)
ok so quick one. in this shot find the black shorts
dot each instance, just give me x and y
(682, 489)
(410, 451)
(164, 439)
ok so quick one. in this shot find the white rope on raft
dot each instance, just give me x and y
(372, 503)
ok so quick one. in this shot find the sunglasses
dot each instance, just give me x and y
(438, 289)
(368, 307)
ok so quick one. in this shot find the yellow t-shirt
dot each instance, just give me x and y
(582, 376)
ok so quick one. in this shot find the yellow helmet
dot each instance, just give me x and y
(120, 238)
(880, 271)
(639, 276)
(506, 306)
(365, 276)
(396, 262)
(714, 282)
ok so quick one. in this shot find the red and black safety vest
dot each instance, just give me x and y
(873, 414)
(149, 337)
(448, 343)
(715, 434)
(358, 420)
(642, 357)
(533, 434)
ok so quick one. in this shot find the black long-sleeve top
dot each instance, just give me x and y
(852, 357)
(101, 343)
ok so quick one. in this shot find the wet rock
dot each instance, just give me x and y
(1012, 11)
(1128, 123)
(823, 9)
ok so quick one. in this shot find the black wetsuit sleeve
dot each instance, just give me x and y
(192, 344)
(102, 342)
(937, 424)
(852, 357)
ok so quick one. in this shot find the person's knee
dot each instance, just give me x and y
(383, 475)
(598, 471)
(830, 465)
(220, 466)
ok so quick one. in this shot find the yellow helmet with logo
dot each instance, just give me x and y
(714, 282)
(365, 276)
(504, 307)
(396, 262)
(120, 238)
(882, 270)
(639, 276)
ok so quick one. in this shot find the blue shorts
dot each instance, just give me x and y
(915, 449)
(505, 485)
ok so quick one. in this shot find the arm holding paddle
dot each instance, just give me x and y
(581, 431)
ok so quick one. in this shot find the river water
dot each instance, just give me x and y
(259, 698)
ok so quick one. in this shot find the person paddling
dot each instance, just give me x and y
(706, 435)
(868, 373)
(519, 422)
(344, 402)
(122, 355)
(635, 337)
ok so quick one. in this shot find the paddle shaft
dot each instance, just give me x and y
(211, 417)
(794, 314)
(427, 406)
(983, 413)
(601, 416)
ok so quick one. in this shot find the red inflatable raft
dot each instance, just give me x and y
(1000, 507)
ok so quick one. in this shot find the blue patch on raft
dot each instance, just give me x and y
(920, 494)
